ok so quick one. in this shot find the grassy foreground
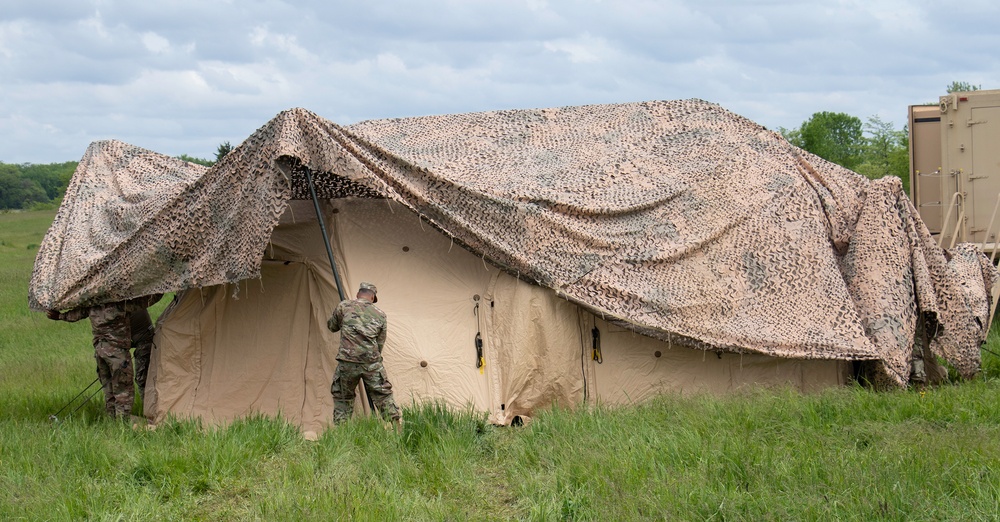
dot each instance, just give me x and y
(844, 454)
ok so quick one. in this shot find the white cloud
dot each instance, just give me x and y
(11, 34)
(584, 49)
(390, 64)
(897, 17)
(94, 25)
(155, 43)
(236, 79)
(263, 38)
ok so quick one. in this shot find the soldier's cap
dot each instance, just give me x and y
(368, 287)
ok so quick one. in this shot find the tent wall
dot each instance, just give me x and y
(427, 286)
(636, 368)
(534, 348)
(225, 351)
(262, 346)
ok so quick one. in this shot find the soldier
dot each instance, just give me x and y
(111, 328)
(362, 329)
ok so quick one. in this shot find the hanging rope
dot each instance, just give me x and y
(55, 416)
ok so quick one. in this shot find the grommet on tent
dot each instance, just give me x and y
(336, 211)
(406, 249)
(657, 353)
(423, 364)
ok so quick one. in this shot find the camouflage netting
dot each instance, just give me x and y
(678, 219)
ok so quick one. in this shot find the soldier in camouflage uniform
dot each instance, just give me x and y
(362, 329)
(111, 328)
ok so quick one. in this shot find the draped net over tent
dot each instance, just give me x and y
(677, 219)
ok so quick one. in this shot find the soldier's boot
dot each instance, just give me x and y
(918, 376)
(393, 425)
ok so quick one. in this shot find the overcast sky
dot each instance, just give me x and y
(185, 78)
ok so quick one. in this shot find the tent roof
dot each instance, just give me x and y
(677, 218)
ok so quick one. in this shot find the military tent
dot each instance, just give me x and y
(525, 258)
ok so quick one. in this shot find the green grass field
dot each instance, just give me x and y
(843, 454)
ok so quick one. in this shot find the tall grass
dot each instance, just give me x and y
(843, 454)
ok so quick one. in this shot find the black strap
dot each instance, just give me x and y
(596, 333)
(480, 362)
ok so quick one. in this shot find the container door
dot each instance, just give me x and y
(985, 175)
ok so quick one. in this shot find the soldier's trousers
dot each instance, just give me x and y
(377, 385)
(114, 369)
(141, 355)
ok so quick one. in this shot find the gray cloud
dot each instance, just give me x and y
(184, 78)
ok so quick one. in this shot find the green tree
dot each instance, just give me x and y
(885, 151)
(199, 161)
(18, 192)
(833, 136)
(962, 87)
(224, 148)
(53, 177)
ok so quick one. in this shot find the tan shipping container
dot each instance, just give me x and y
(958, 198)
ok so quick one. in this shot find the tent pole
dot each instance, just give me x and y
(326, 239)
(333, 264)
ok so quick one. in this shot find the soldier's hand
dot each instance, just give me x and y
(52, 314)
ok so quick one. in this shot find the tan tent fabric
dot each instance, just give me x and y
(637, 367)
(535, 347)
(677, 219)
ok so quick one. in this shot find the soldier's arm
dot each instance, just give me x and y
(71, 316)
(335, 320)
(381, 335)
(142, 303)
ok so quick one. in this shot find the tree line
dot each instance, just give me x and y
(28, 186)
(873, 148)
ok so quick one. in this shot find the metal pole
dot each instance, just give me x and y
(326, 239)
(329, 253)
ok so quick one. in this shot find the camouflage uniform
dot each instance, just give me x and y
(111, 326)
(362, 329)
(142, 340)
